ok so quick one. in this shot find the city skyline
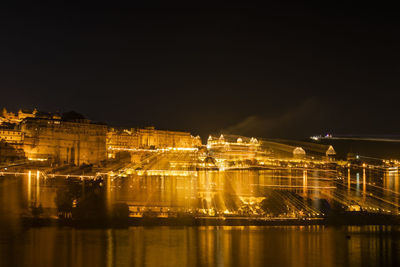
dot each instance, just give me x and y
(290, 71)
(144, 134)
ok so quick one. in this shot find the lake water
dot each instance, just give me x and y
(210, 192)
(202, 246)
(206, 246)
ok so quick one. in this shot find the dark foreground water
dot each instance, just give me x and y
(202, 246)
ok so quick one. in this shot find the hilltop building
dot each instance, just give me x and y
(73, 139)
(47, 136)
(11, 118)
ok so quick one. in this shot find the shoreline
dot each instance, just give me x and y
(359, 219)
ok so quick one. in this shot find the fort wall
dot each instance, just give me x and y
(64, 142)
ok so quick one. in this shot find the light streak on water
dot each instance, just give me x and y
(156, 185)
(29, 188)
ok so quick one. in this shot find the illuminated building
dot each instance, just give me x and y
(7, 117)
(330, 153)
(75, 142)
(12, 118)
(148, 138)
(45, 136)
(299, 153)
(121, 139)
(23, 114)
(10, 152)
(233, 147)
(11, 144)
(11, 136)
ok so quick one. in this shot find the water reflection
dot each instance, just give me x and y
(214, 193)
(203, 246)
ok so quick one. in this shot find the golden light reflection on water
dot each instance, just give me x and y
(230, 192)
(364, 185)
(204, 246)
(210, 192)
(29, 188)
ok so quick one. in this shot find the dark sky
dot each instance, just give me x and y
(281, 71)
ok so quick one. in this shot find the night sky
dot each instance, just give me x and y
(285, 71)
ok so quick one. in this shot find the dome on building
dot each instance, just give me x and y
(239, 140)
(221, 137)
(330, 151)
(253, 140)
(298, 151)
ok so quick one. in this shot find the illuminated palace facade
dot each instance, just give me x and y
(148, 138)
(74, 142)
(233, 147)
(7, 117)
(47, 136)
